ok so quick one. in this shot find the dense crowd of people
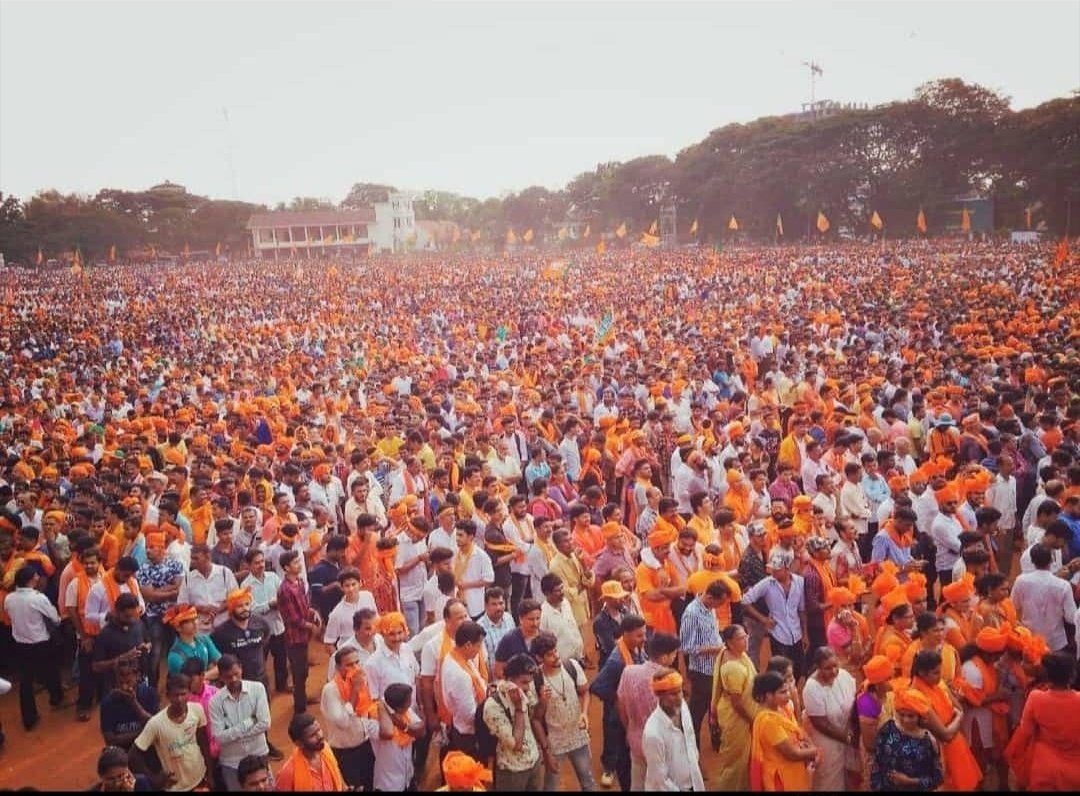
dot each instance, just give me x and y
(767, 519)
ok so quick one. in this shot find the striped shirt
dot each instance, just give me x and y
(699, 629)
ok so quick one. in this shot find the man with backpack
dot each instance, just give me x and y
(507, 725)
(563, 711)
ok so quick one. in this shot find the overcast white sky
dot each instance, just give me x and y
(477, 98)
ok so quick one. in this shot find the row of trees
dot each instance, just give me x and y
(950, 139)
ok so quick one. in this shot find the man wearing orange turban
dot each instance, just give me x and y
(945, 532)
(462, 773)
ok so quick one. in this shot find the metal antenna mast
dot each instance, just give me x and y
(815, 70)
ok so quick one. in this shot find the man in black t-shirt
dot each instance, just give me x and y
(323, 577)
(245, 636)
(122, 639)
(126, 709)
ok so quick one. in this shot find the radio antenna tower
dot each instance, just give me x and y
(815, 71)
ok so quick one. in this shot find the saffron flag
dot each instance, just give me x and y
(601, 247)
(1027, 216)
(112, 253)
(621, 231)
(40, 257)
(920, 221)
(528, 236)
(1061, 254)
(563, 233)
(153, 252)
(733, 225)
(876, 222)
(779, 225)
(588, 231)
(511, 238)
(693, 228)
(76, 260)
(965, 220)
(652, 241)
(652, 228)
(822, 223)
(476, 236)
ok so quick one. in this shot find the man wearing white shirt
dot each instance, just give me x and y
(519, 531)
(264, 584)
(855, 506)
(945, 533)
(812, 467)
(461, 686)
(240, 716)
(1047, 513)
(364, 640)
(442, 563)
(392, 662)
(826, 498)
(362, 501)
(668, 742)
(569, 450)
(206, 585)
(472, 568)
(1044, 602)
(557, 618)
(442, 535)
(606, 408)
(97, 599)
(32, 619)
(1056, 539)
(347, 733)
(1002, 496)
(410, 564)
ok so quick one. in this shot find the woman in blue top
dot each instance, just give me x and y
(190, 644)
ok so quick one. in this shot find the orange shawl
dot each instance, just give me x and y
(962, 772)
(364, 706)
(302, 779)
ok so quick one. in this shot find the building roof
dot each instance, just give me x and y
(311, 218)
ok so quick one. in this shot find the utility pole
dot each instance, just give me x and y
(815, 70)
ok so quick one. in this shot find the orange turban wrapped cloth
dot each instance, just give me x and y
(947, 494)
(321, 471)
(898, 483)
(155, 541)
(672, 681)
(878, 669)
(611, 530)
(461, 772)
(238, 597)
(886, 581)
(992, 639)
(663, 534)
(911, 701)
(894, 599)
(916, 587)
(839, 597)
(179, 614)
(392, 622)
(958, 591)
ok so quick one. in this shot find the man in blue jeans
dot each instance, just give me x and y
(615, 758)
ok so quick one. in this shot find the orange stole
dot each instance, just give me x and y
(962, 772)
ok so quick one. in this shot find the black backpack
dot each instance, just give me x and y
(486, 742)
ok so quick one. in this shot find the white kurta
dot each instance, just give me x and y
(834, 703)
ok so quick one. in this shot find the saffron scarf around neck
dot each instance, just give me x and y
(302, 777)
